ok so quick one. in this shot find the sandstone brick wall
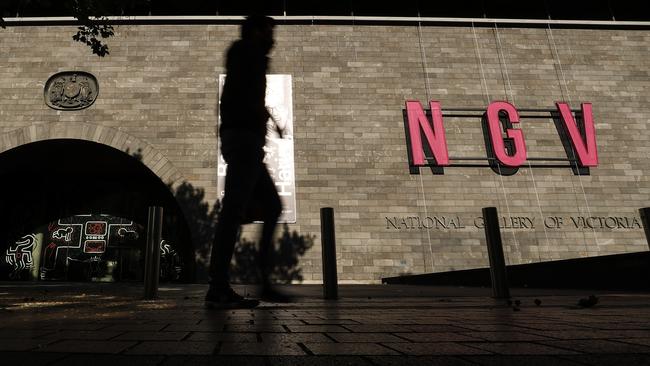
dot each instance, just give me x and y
(158, 89)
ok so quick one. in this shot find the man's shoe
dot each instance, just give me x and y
(228, 299)
(271, 295)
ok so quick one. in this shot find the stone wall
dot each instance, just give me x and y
(158, 91)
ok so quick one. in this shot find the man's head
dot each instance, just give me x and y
(259, 29)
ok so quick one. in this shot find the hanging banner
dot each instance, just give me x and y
(279, 150)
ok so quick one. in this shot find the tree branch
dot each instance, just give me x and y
(94, 28)
(92, 33)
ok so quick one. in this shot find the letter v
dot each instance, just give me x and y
(587, 152)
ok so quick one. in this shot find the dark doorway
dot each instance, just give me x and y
(76, 210)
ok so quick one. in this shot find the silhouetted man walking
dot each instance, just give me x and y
(249, 188)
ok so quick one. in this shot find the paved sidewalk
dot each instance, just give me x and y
(102, 324)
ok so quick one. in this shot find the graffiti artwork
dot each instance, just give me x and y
(65, 234)
(19, 256)
(171, 265)
(79, 242)
(92, 247)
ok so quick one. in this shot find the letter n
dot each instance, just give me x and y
(433, 131)
(585, 147)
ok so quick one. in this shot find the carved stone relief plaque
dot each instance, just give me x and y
(71, 90)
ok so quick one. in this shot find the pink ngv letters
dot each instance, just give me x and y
(509, 150)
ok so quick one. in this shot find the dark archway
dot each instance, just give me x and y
(48, 181)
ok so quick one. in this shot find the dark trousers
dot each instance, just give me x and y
(249, 188)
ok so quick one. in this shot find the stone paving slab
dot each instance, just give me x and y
(152, 336)
(255, 328)
(82, 335)
(268, 361)
(31, 358)
(262, 349)
(297, 337)
(439, 348)
(504, 336)
(81, 346)
(136, 327)
(376, 328)
(108, 360)
(72, 326)
(418, 360)
(173, 348)
(204, 327)
(433, 327)
(22, 344)
(349, 349)
(641, 341)
(611, 360)
(365, 337)
(369, 325)
(20, 333)
(436, 337)
(519, 360)
(223, 337)
(628, 335)
(521, 348)
(597, 346)
(317, 329)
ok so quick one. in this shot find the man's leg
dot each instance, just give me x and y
(272, 208)
(267, 194)
(223, 247)
(241, 177)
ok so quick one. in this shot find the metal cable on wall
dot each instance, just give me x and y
(423, 57)
(563, 83)
(511, 98)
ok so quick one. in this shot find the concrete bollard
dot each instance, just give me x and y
(498, 274)
(152, 252)
(328, 243)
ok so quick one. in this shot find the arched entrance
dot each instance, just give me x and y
(74, 209)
